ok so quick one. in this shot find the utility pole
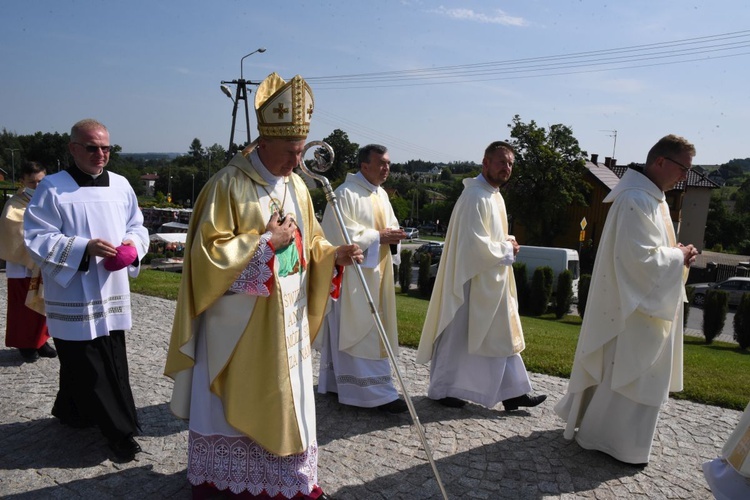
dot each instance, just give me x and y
(13, 163)
(612, 133)
(241, 94)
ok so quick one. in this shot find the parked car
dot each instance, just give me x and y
(431, 228)
(433, 248)
(735, 287)
(412, 233)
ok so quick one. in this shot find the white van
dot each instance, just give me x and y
(559, 259)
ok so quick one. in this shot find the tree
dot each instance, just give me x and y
(724, 229)
(548, 177)
(196, 149)
(400, 208)
(48, 149)
(345, 154)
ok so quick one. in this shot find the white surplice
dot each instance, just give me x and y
(59, 222)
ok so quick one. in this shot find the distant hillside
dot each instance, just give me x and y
(150, 156)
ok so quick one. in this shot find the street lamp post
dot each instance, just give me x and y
(209, 164)
(192, 200)
(13, 163)
(241, 94)
(169, 185)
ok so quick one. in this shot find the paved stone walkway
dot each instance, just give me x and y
(480, 453)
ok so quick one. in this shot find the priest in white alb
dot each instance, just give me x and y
(354, 362)
(729, 474)
(472, 333)
(629, 354)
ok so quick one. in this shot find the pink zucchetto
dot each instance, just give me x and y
(126, 255)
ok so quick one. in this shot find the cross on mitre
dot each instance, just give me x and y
(280, 110)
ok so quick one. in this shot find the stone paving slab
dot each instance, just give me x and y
(364, 454)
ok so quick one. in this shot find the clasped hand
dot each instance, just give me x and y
(348, 254)
(282, 230)
(689, 252)
(390, 236)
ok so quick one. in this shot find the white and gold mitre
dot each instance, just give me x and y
(284, 108)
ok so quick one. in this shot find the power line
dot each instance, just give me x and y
(719, 46)
(704, 48)
(372, 135)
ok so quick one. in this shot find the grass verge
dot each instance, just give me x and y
(156, 284)
(716, 374)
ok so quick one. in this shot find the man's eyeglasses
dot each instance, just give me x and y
(683, 167)
(95, 149)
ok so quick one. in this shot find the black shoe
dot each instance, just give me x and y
(125, 449)
(396, 406)
(29, 355)
(324, 496)
(525, 400)
(452, 402)
(47, 351)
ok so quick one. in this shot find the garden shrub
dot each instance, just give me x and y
(584, 283)
(690, 292)
(742, 322)
(564, 294)
(714, 314)
(522, 286)
(541, 290)
(424, 283)
(404, 271)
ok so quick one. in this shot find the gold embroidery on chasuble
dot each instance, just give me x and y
(514, 320)
(671, 234)
(379, 219)
(740, 451)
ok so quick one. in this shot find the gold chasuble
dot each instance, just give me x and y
(383, 258)
(12, 248)
(249, 368)
(736, 450)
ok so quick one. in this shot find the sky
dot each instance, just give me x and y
(431, 80)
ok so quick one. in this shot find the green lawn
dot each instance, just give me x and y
(716, 374)
(157, 284)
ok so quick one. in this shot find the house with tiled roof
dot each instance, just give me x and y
(688, 205)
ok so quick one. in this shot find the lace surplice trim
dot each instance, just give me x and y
(257, 277)
(241, 464)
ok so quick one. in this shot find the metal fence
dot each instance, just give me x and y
(713, 273)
